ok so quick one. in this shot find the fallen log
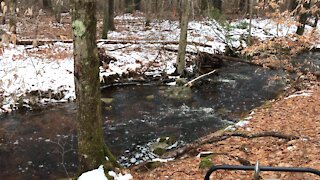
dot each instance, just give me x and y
(228, 58)
(50, 41)
(27, 42)
(216, 138)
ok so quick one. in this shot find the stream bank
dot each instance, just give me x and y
(42, 144)
(296, 113)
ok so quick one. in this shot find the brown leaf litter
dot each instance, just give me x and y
(297, 114)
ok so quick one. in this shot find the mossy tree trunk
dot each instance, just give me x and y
(92, 149)
(181, 60)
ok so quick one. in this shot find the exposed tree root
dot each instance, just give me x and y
(216, 138)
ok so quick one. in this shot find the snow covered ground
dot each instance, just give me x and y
(98, 174)
(49, 68)
(24, 69)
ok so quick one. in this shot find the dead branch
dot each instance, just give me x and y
(123, 47)
(190, 83)
(216, 138)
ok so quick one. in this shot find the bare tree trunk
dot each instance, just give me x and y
(112, 26)
(181, 61)
(128, 6)
(148, 12)
(47, 5)
(106, 14)
(12, 5)
(250, 22)
(92, 149)
(4, 11)
(292, 4)
(316, 14)
(108, 18)
(217, 4)
(137, 5)
(244, 6)
(57, 10)
(303, 17)
(315, 24)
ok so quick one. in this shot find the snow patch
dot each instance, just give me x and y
(96, 174)
(241, 123)
(300, 94)
(120, 176)
(162, 160)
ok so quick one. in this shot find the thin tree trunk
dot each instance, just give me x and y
(106, 14)
(316, 14)
(47, 5)
(112, 26)
(217, 4)
(181, 61)
(92, 149)
(57, 10)
(315, 24)
(303, 18)
(148, 12)
(137, 5)
(250, 22)
(128, 6)
(4, 11)
(12, 5)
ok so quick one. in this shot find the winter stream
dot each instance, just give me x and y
(42, 145)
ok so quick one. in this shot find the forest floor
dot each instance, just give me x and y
(296, 115)
(49, 68)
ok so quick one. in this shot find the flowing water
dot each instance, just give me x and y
(42, 145)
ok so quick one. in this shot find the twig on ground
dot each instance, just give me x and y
(216, 138)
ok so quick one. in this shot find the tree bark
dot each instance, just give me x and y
(106, 14)
(108, 18)
(47, 4)
(217, 4)
(128, 6)
(181, 61)
(148, 12)
(12, 5)
(112, 26)
(250, 22)
(57, 10)
(137, 5)
(92, 149)
(3, 17)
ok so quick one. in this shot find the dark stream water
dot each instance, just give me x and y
(42, 145)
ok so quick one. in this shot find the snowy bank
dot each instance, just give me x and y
(98, 174)
(48, 69)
